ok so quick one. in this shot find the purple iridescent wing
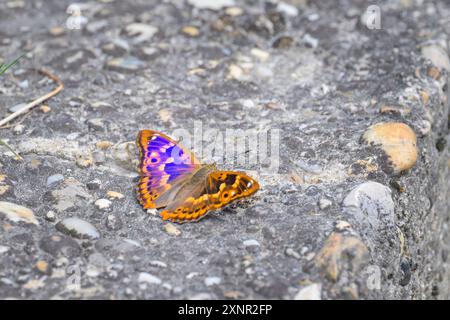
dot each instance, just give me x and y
(164, 164)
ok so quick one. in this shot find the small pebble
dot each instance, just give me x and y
(191, 275)
(148, 53)
(103, 145)
(233, 295)
(140, 32)
(3, 249)
(15, 4)
(210, 281)
(103, 204)
(50, 216)
(113, 222)
(201, 296)
(101, 104)
(84, 160)
(98, 157)
(283, 42)
(191, 31)
(324, 203)
(167, 286)
(45, 108)
(211, 5)
(235, 72)
(292, 253)
(17, 213)
(342, 225)
(114, 194)
(126, 64)
(94, 184)
(424, 127)
(310, 292)
(42, 266)
(34, 284)
(310, 41)
(260, 54)
(287, 9)
(145, 277)
(116, 48)
(251, 243)
(3, 189)
(171, 229)
(56, 31)
(54, 179)
(234, 11)
(96, 124)
(157, 263)
(77, 228)
(23, 84)
(18, 129)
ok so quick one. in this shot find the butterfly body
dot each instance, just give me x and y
(172, 178)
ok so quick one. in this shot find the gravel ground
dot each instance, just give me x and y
(354, 206)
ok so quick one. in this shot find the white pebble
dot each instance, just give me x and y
(103, 204)
(17, 213)
(78, 228)
(212, 5)
(210, 281)
(287, 9)
(3, 249)
(148, 278)
(292, 253)
(158, 263)
(251, 243)
(311, 292)
(50, 216)
(201, 296)
(324, 203)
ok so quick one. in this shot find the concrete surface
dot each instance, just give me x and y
(337, 220)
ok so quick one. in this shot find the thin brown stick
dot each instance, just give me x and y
(11, 125)
(37, 101)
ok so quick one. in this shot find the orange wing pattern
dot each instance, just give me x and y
(221, 188)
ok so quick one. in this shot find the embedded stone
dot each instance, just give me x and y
(340, 252)
(397, 140)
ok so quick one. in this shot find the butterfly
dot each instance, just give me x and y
(172, 178)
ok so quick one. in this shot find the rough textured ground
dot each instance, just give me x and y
(320, 76)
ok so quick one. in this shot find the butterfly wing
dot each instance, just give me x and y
(192, 204)
(164, 164)
(218, 189)
(226, 186)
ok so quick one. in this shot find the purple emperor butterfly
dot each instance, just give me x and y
(173, 179)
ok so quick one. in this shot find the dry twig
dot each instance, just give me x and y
(37, 101)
